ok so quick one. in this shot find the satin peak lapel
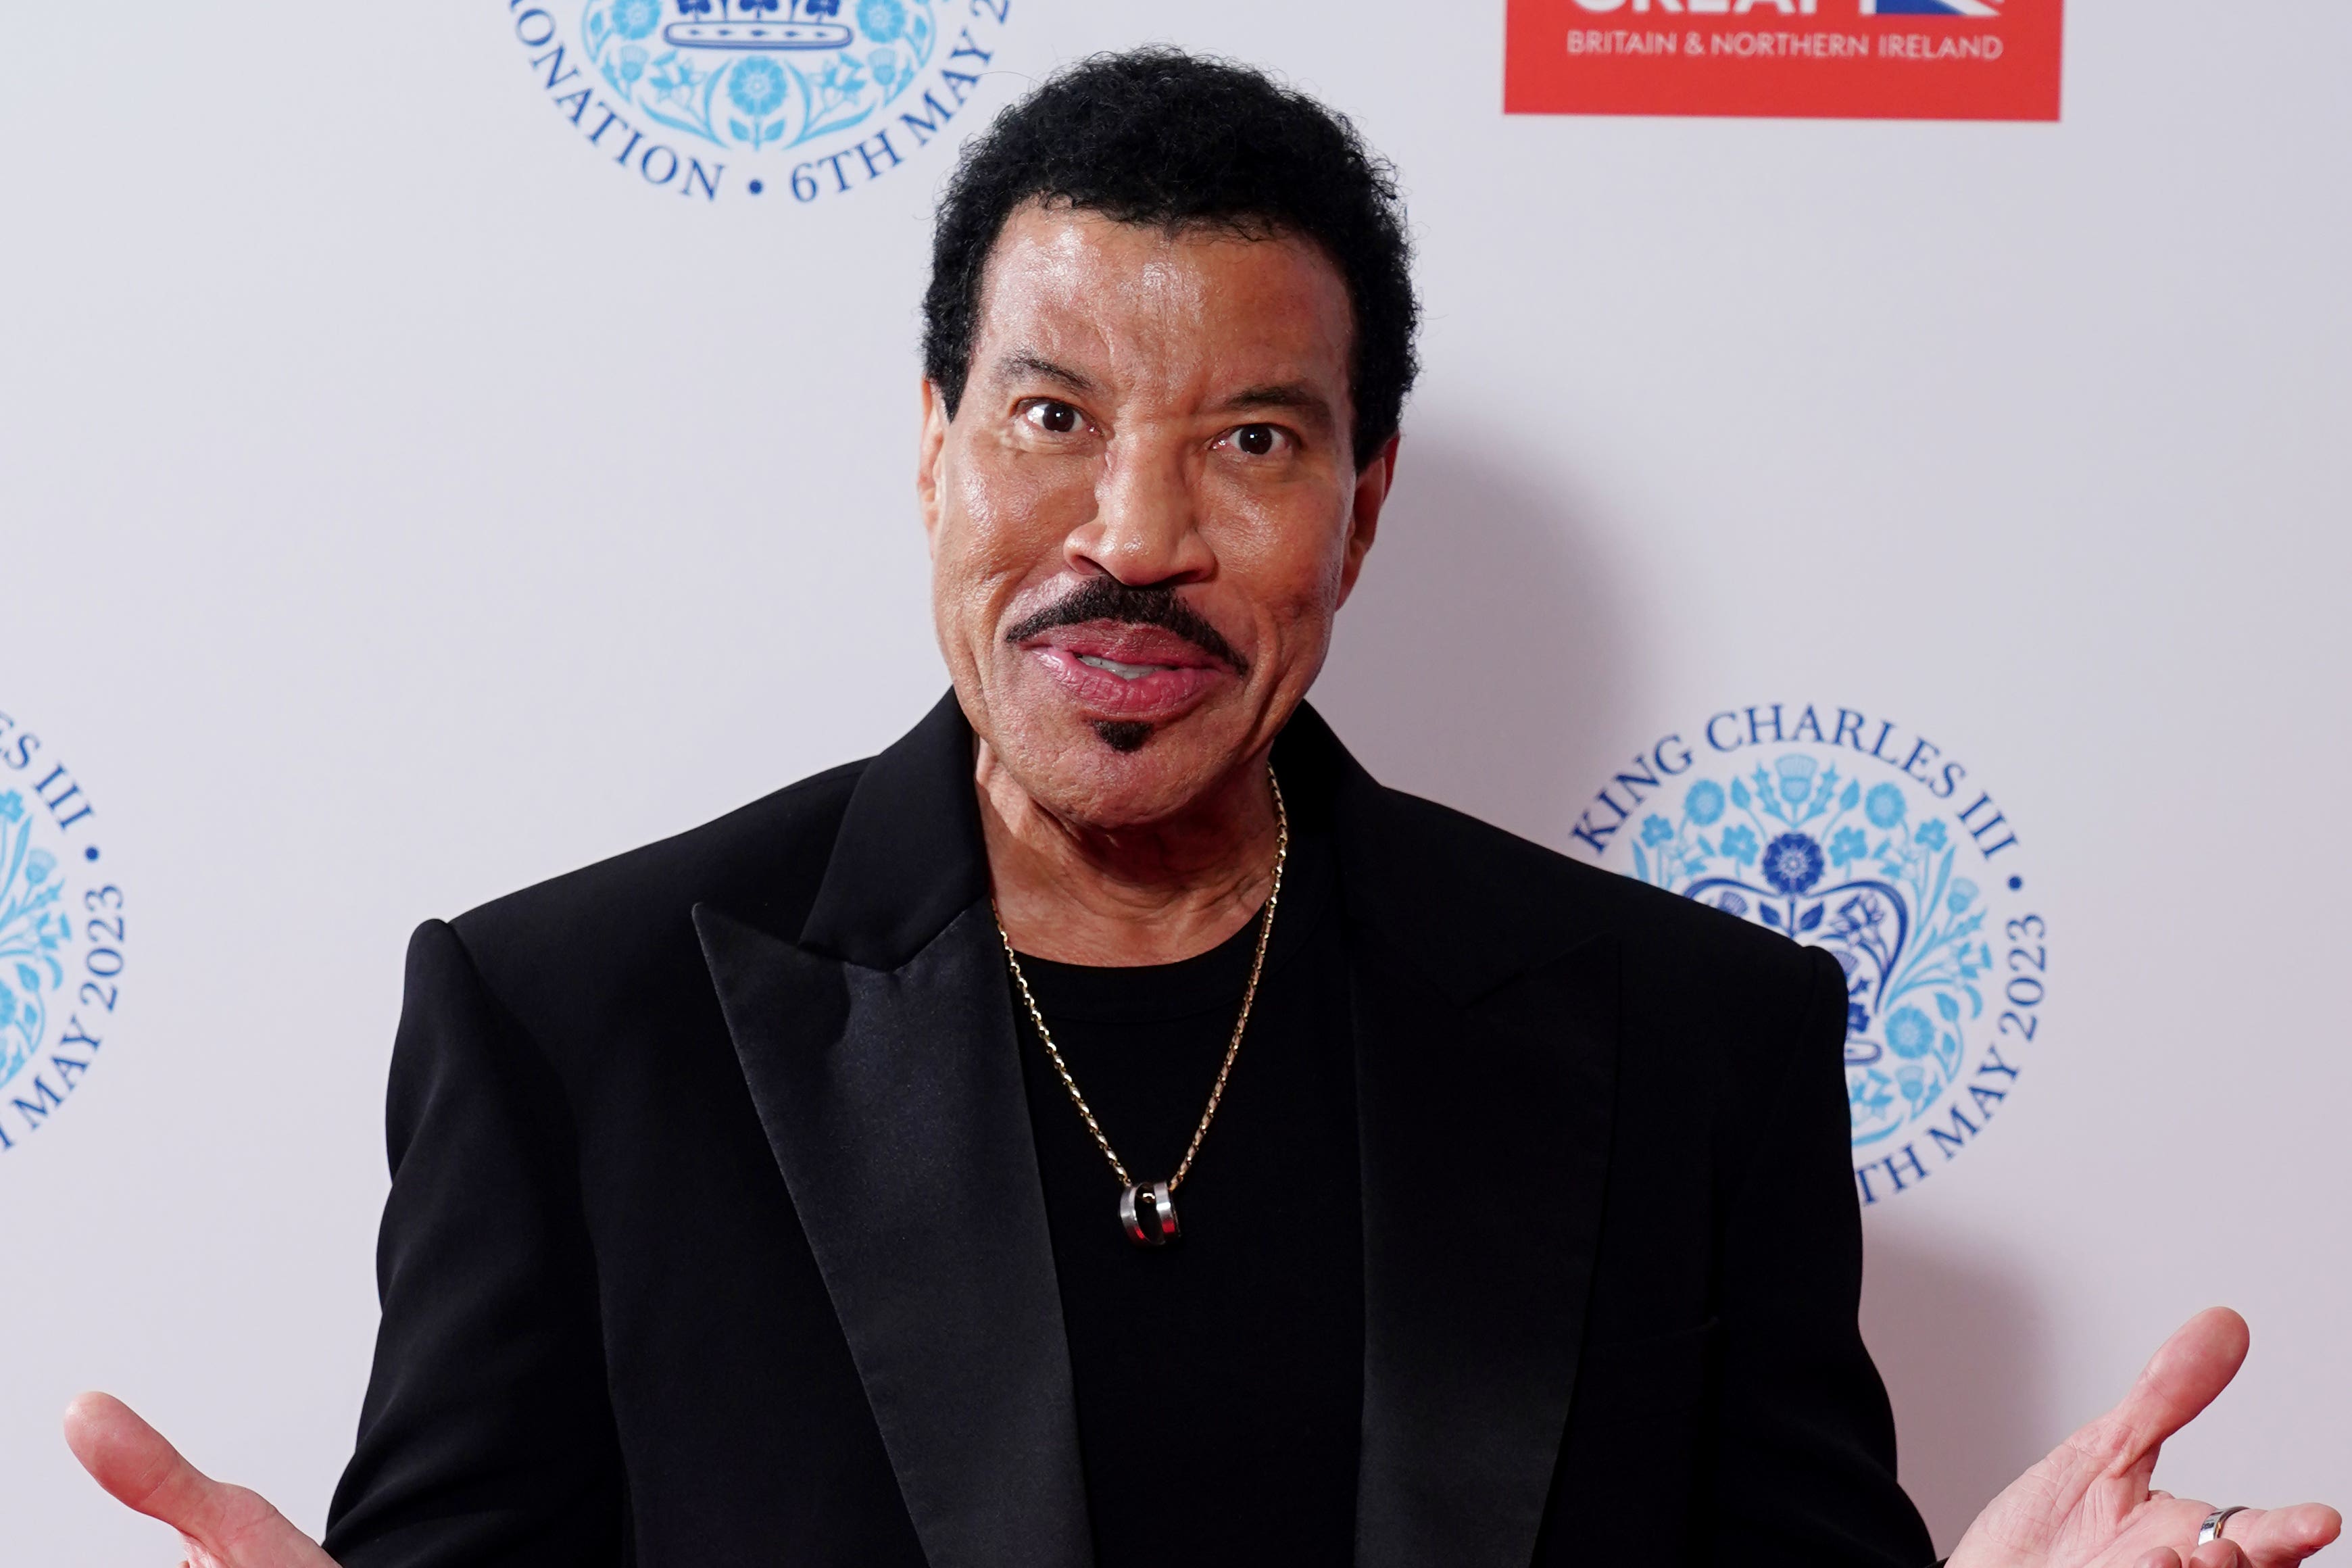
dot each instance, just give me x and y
(1486, 1132)
(893, 1101)
(1486, 1017)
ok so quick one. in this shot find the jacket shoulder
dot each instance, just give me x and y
(1531, 897)
(1725, 1008)
(763, 861)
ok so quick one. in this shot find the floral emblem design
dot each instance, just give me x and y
(33, 932)
(1909, 1035)
(1845, 831)
(757, 86)
(749, 75)
(884, 21)
(1864, 873)
(1793, 863)
(636, 19)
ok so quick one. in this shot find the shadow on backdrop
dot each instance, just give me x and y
(1485, 661)
(1960, 1337)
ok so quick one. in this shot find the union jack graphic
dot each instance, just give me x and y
(1931, 7)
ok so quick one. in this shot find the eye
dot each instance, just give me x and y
(1259, 440)
(1053, 417)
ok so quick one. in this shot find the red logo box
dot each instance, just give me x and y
(1818, 59)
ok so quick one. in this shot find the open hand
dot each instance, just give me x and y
(2088, 1504)
(222, 1526)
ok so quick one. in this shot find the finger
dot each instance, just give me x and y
(2218, 1554)
(2281, 1537)
(142, 1470)
(2162, 1557)
(2180, 1380)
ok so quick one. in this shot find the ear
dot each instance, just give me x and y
(1372, 483)
(929, 452)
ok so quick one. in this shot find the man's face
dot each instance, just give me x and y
(1147, 510)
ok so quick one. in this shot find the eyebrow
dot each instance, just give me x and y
(1292, 394)
(1022, 364)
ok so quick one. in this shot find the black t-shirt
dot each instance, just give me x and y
(1220, 1379)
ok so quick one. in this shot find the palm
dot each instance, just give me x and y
(220, 1526)
(2075, 1508)
(2089, 1505)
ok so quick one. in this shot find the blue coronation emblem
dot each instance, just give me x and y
(1844, 831)
(1853, 870)
(1891, 873)
(1857, 871)
(63, 924)
(34, 931)
(755, 74)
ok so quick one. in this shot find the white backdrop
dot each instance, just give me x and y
(397, 507)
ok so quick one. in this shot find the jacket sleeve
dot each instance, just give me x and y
(486, 1436)
(1804, 1467)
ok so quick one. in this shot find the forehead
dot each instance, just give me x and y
(1143, 299)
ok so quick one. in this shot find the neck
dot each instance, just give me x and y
(1154, 894)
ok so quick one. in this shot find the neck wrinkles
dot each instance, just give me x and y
(1156, 894)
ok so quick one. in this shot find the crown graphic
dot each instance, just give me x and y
(758, 25)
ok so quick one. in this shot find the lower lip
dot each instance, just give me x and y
(1155, 697)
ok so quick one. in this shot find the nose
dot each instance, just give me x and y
(1145, 529)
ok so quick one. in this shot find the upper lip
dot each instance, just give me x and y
(1128, 642)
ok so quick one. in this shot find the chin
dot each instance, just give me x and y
(1112, 773)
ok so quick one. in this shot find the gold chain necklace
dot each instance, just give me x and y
(1160, 1196)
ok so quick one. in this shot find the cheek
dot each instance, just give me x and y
(1293, 529)
(1305, 635)
(1293, 611)
(1002, 526)
(1021, 504)
(1291, 562)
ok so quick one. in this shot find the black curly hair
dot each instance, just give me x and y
(1159, 136)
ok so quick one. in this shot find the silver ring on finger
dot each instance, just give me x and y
(2213, 1523)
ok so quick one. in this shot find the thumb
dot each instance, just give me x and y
(224, 1525)
(134, 1463)
(2188, 1372)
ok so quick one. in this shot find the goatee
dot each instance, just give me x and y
(1126, 735)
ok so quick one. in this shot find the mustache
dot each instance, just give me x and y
(1108, 599)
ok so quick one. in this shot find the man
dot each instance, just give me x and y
(1108, 1127)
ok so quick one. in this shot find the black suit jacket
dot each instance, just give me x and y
(716, 1236)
